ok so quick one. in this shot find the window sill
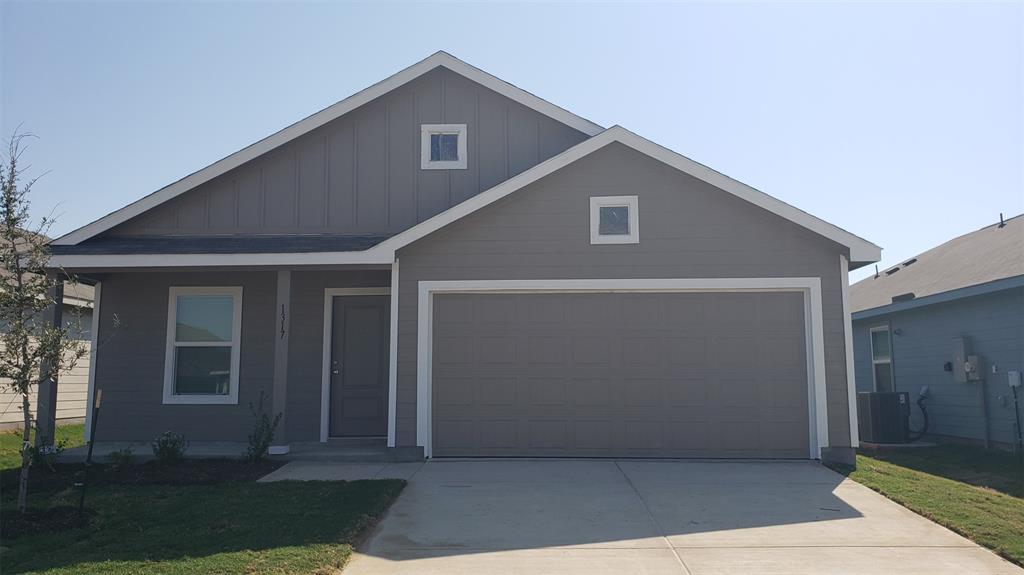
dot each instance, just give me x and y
(200, 400)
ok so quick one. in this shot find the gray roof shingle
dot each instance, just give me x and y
(986, 255)
(221, 244)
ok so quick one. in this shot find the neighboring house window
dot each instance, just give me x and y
(881, 358)
(443, 146)
(614, 220)
(203, 334)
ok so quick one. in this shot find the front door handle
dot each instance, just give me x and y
(337, 368)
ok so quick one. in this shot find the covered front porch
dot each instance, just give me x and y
(195, 350)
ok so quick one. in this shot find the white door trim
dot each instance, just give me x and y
(325, 373)
(809, 286)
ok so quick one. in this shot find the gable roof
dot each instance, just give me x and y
(987, 255)
(319, 119)
(861, 251)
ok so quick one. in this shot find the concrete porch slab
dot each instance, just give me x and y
(321, 471)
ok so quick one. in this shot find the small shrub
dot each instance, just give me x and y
(169, 447)
(263, 434)
(47, 456)
(122, 458)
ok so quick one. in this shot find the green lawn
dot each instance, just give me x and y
(193, 517)
(232, 527)
(974, 492)
(10, 443)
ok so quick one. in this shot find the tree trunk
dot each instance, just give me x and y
(26, 455)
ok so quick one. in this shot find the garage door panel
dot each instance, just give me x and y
(547, 350)
(589, 310)
(548, 391)
(591, 392)
(548, 434)
(687, 392)
(496, 391)
(455, 391)
(497, 433)
(697, 375)
(455, 433)
(641, 352)
(491, 350)
(640, 392)
(592, 434)
(687, 352)
(453, 350)
(591, 349)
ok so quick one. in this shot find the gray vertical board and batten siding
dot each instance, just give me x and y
(360, 174)
(688, 229)
(130, 368)
(993, 322)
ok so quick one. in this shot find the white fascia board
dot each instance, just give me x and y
(861, 250)
(93, 261)
(319, 119)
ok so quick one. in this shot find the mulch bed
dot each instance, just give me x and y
(186, 472)
(66, 476)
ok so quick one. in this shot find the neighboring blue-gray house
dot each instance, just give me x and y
(910, 321)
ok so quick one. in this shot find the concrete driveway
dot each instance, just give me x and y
(701, 518)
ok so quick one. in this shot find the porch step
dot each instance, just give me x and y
(333, 452)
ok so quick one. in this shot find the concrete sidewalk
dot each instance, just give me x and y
(601, 516)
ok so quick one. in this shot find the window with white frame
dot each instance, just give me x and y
(443, 146)
(881, 358)
(203, 335)
(614, 220)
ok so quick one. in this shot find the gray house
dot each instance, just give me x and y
(916, 322)
(451, 265)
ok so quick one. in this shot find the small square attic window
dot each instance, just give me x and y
(443, 146)
(614, 220)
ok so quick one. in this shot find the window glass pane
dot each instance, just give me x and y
(614, 221)
(883, 377)
(880, 344)
(202, 370)
(204, 318)
(444, 147)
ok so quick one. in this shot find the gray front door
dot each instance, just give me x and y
(359, 366)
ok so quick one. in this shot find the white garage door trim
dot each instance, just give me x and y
(809, 287)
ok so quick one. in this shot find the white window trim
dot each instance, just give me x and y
(874, 362)
(426, 130)
(632, 203)
(236, 338)
(325, 365)
(810, 287)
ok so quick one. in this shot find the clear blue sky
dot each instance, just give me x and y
(903, 124)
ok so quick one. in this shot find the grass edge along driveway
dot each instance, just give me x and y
(988, 517)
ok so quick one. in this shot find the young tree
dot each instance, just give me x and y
(31, 349)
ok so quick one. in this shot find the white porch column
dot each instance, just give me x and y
(279, 397)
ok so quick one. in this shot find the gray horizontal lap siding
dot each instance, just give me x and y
(360, 174)
(688, 229)
(995, 325)
(131, 355)
(130, 362)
